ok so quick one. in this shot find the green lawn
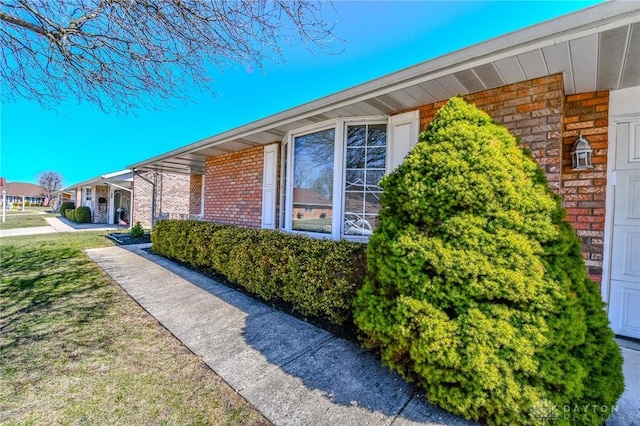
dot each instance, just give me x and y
(74, 348)
(32, 216)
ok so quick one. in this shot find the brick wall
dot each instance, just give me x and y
(195, 194)
(171, 195)
(584, 190)
(100, 210)
(174, 193)
(142, 198)
(233, 188)
(548, 123)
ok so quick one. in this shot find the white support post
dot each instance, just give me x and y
(23, 203)
(4, 206)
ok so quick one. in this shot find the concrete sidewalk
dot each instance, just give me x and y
(58, 225)
(292, 372)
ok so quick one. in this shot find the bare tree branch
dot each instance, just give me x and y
(124, 54)
(50, 182)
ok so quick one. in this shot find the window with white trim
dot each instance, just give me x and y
(331, 176)
(365, 160)
(313, 172)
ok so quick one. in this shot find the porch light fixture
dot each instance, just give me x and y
(581, 154)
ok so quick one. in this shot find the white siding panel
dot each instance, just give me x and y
(436, 90)
(510, 70)
(469, 80)
(584, 61)
(631, 72)
(452, 85)
(406, 99)
(611, 57)
(422, 95)
(489, 76)
(533, 64)
(558, 61)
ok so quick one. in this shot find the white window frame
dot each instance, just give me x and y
(339, 173)
(87, 191)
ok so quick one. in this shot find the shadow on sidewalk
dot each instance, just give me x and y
(341, 379)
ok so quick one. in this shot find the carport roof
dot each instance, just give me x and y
(595, 49)
(120, 177)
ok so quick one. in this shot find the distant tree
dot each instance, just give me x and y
(133, 52)
(49, 182)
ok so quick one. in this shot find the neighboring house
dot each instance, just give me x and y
(549, 84)
(311, 210)
(18, 192)
(112, 201)
(109, 197)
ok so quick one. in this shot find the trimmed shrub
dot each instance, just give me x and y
(70, 214)
(137, 231)
(317, 278)
(83, 214)
(477, 290)
(67, 205)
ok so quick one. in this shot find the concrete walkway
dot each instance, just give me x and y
(59, 225)
(291, 371)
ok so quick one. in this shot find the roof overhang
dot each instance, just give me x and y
(120, 178)
(594, 49)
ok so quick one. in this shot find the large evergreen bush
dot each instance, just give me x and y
(477, 290)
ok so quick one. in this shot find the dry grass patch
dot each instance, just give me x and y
(76, 349)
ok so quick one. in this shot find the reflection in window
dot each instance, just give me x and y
(313, 182)
(365, 166)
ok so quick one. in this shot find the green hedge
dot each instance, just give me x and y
(83, 214)
(70, 214)
(67, 205)
(318, 278)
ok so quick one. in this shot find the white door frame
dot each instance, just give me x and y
(623, 105)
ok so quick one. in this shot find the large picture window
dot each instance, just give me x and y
(313, 182)
(331, 179)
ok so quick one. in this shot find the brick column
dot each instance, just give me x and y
(584, 191)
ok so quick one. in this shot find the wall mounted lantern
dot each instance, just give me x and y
(581, 154)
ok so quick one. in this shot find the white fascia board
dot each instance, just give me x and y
(121, 175)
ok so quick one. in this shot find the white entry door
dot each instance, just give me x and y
(86, 196)
(624, 293)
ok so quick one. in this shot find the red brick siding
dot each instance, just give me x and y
(171, 195)
(195, 194)
(233, 188)
(548, 123)
(584, 191)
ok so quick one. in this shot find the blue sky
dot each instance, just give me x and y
(81, 142)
